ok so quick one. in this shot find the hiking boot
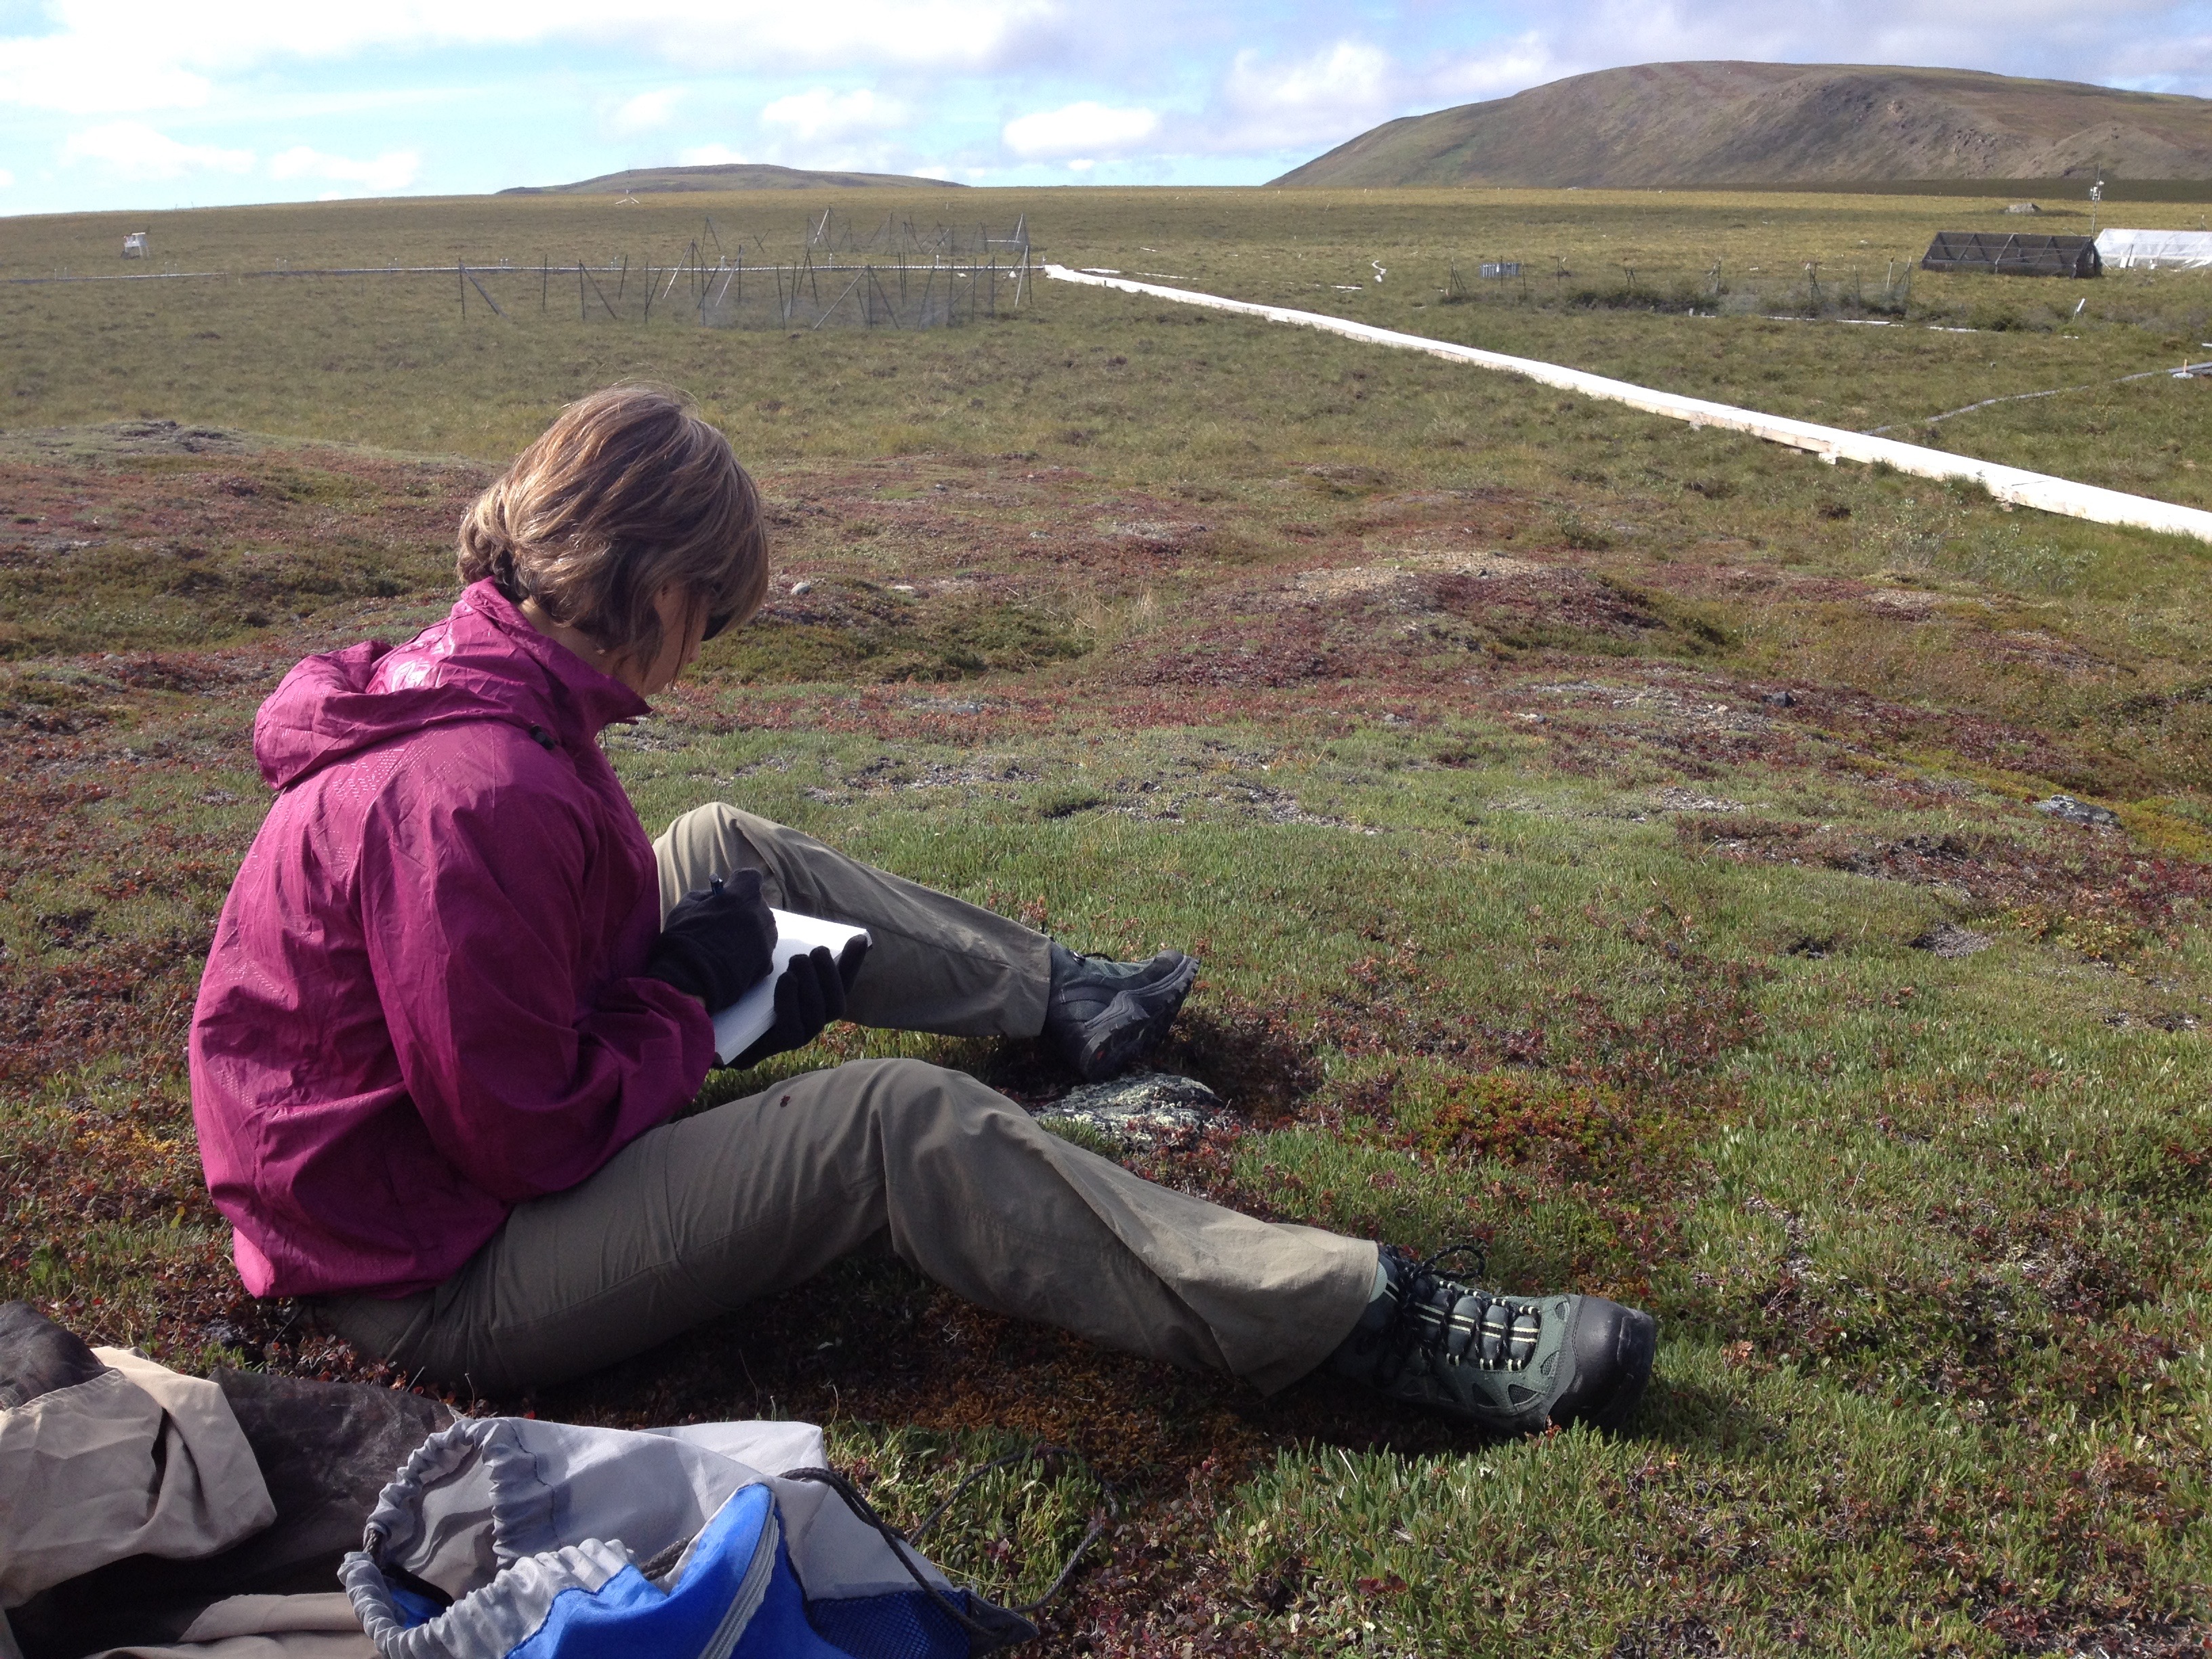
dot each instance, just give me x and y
(1511, 1364)
(1102, 1014)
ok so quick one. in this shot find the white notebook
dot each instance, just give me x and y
(743, 1023)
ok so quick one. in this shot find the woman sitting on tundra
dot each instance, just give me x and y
(457, 1004)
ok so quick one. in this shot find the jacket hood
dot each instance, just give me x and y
(484, 662)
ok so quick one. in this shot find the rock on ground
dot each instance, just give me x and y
(1143, 1108)
(2077, 812)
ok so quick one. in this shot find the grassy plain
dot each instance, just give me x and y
(1611, 842)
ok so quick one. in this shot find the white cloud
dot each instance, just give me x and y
(134, 151)
(1497, 71)
(821, 113)
(647, 112)
(1315, 102)
(1321, 99)
(1076, 128)
(711, 155)
(1349, 72)
(7, 178)
(385, 175)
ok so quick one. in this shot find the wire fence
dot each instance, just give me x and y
(904, 295)
(892, 274)
(808, 292)
(904, 241)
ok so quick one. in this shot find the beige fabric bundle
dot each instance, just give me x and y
(138, 1461)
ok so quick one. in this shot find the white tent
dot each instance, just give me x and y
(2155, 250)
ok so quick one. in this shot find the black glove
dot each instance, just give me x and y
(717, 944)
(809, 994)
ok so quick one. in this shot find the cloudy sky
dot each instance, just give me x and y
(163, 103)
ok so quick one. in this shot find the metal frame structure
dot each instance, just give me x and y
(2010, 255)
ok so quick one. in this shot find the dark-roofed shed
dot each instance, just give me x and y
(2012, 255)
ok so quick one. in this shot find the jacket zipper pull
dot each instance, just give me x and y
(542, 738)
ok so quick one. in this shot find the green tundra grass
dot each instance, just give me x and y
(1616, 845)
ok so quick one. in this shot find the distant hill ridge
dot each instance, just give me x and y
(1681, 124)
(734, 176)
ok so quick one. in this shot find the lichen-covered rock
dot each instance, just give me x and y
(1143, 1108)
(2078, 811)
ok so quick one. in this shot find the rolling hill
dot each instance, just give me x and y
(735, 175)
(1680, 125)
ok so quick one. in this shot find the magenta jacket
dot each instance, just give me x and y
(423, 1003)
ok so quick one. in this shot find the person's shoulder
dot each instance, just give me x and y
(481, 766)
(490, 739)
(486, 784)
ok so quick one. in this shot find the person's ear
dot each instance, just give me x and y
(681, 609)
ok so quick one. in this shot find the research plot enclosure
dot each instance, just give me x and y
(887, 273)
(844, 292)
(2004, 255)
(825, 272)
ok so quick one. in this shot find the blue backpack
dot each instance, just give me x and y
(507, 1538)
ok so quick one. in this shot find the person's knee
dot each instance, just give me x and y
(901, 1078)
(717, 823)
(718, 840)
(911, 1094)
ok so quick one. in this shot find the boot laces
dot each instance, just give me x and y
(1452, 1323)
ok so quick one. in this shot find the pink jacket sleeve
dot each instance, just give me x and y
(529, 1066)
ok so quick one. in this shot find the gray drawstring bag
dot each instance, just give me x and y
(507, 1538)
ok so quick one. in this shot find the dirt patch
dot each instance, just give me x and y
(1390, 577)
(81, 444)
(1949, 940)
(1914, 603)
(1164, 533)
(1675, 799)
(2048, 651)
(2105, 903)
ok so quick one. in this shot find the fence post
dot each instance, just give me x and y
(461, 282)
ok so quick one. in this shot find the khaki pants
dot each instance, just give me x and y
(697, 1217)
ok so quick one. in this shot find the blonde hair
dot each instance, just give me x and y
(628, 492)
